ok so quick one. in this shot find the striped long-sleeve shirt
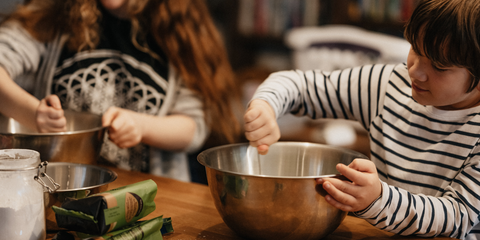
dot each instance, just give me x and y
(427, 158)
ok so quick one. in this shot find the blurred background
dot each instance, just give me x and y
(8, 5)
(264, 36)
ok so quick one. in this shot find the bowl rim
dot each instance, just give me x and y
(201, 160)
(113, 174)
(66, 112)
(23, 134)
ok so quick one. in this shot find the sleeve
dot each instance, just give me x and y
(190, 103)
(20, 53)
(455, 213)
(355, 93)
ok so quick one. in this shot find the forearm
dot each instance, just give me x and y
(16, 103)
(405, 213)
(280, 90)
(20, 53)
(346, 94)
(172, 133)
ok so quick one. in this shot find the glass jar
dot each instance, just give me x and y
(22, 207)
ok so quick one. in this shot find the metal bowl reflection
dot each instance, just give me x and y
(275, 196)
(81, 142)
(76, 181)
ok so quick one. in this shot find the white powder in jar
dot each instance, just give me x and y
(26, 223)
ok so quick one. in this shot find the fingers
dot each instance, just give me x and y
(54, 101)
(51, 107)
(51, 126)
(122, 128)
(341, 194)
(357, 169)
(262, 149)
(109, 115)
(261, 137)
(123, 139)
(338, 198)
(50, 115)
(250, 115)
(358, 193)
(261, 127)
(362, 165)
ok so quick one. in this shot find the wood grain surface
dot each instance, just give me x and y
(194, 216)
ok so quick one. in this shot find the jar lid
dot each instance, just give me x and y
(21, 159)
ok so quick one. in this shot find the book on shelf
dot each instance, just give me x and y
(272, 18)
(385, 10)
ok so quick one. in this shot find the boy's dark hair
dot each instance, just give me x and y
(449, 34)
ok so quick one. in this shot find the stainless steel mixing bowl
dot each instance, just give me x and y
(275, 196)
(81, 142)
(76, 181)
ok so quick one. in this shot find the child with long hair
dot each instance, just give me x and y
(156, 69)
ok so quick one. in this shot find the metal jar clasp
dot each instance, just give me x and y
(43, 173)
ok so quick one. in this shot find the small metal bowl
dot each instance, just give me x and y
(275, 196)
(80, 143)
(76, 181)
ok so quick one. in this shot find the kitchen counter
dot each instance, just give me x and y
(194, 216)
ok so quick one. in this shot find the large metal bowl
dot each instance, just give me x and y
(81, 142)
(76, 181)
(275, 196)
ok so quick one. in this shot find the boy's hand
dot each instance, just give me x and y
(261, 127)
(50, 116)
(364, 188)
(123, 129)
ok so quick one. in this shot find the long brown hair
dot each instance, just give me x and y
(182, 28)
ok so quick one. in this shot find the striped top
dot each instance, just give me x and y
(428, 159)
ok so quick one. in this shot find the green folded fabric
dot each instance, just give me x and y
(141, 230)
(105, 212)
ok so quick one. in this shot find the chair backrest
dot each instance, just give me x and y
(332, 47)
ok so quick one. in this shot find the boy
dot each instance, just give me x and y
(423, 121)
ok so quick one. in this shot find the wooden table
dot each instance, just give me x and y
(194, 215)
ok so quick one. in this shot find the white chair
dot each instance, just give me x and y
(332, 47)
